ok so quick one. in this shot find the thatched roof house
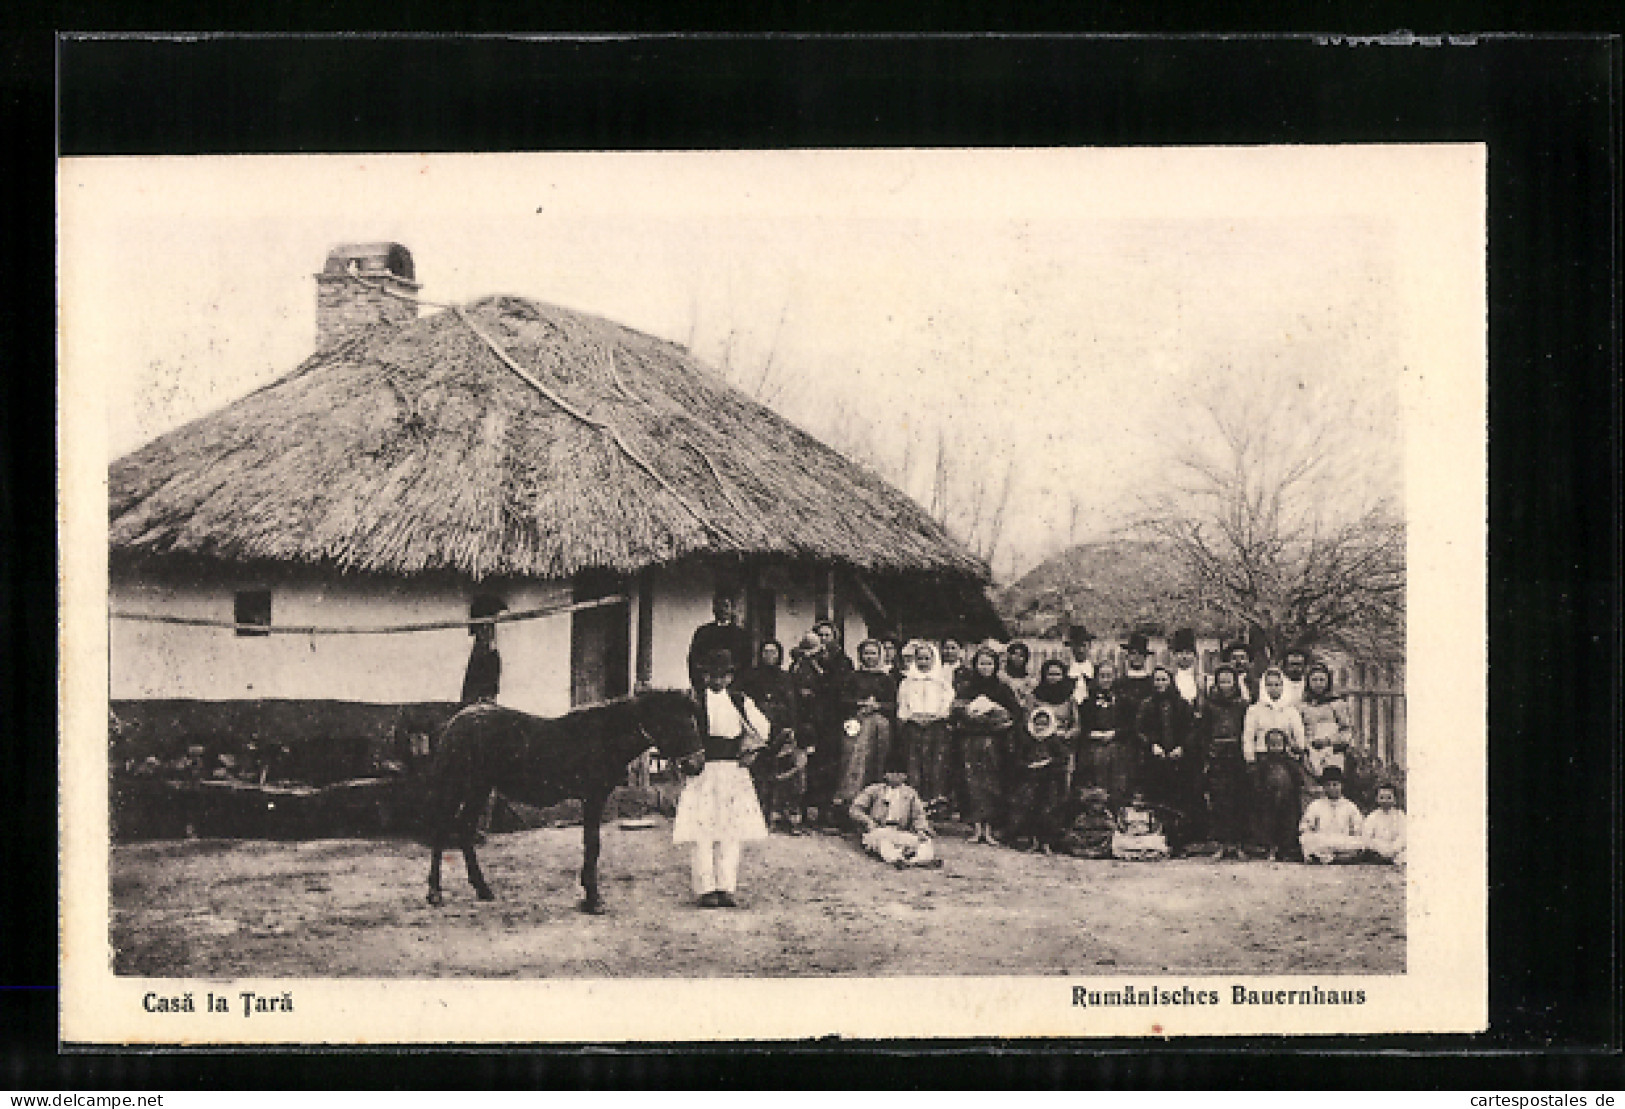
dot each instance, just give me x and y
(508, 447)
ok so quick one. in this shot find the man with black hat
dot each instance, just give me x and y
(723, 634)
(483, 678)
(1240, 658)
(1135, 681)
(1134, 688)
(718, 810)
(1184, 649)
(1082, 668)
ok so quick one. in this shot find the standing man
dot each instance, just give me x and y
(1082, 669)
(723, 634)
(1135, 683)
(718, 810)
(1185, 681)
(836, 661)
(483, 678)
(1240, 658)
(1294, 667)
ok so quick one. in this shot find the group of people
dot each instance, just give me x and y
(1073, 758)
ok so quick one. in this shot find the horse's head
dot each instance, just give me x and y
(669, 720)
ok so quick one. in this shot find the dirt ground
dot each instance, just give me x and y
(811, 905)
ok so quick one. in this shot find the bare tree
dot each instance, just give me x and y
(1272, 527)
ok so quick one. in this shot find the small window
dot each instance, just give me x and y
(251, 611)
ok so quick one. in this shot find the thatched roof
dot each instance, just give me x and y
(414, 449)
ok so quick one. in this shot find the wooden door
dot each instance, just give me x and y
(600, 643)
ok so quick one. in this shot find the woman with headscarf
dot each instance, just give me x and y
(773, 690)
(924, 698)
(1272, 711)
(1328, 726)
(1220, 733)
(984, 710)
(1163, 724)
(1106, 755)
(810, 669)
(1044, 744)
(867, 701)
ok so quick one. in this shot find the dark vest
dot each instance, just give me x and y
(722, 747)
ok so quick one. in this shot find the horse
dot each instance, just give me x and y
(582, 755)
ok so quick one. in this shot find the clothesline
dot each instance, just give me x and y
(366, 629)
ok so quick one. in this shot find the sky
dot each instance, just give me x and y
(1061, 311)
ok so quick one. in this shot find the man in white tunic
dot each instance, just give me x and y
(1082, 668)
(1294, 669)
(718, 810)
(1331, 830)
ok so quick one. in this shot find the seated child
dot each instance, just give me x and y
(1092, 828)
(893, 821)
(1385, 827)
(1139, 836)
(1330, 830)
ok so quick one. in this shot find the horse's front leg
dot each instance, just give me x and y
(468, 830)
(437, 843)
(592, 815)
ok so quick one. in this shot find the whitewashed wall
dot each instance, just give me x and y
(855, 631)
(151, 661)
(682, 602)
(170, 661)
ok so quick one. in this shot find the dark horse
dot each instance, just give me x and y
(583, 755)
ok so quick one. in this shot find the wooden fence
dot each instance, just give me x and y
(1376, 695)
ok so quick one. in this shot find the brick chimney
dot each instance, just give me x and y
(345, 306)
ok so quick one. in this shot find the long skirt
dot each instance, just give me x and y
(824, 764)
(857, 754)
(1171, 785)
(880, 749)
(1108, 764)
(719, 805)
(927, 746)
(981, 762)
(1228, 791)
(1275, 804)
(1038, 802)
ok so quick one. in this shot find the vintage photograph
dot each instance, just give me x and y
(912, 566)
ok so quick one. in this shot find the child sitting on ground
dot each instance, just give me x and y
(1139, 836)
(1092, 828)
(1330, 830)
(892, 818)
(1384, 830)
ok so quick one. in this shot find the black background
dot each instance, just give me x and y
(1547, 108)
